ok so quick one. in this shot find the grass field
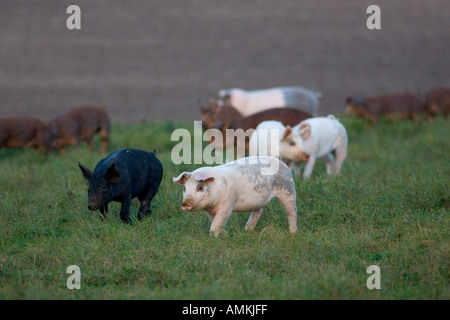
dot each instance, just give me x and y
(390, 207)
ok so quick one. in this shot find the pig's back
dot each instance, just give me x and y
(301, 97)
(258, 172)
(138, 159)
(24, 127)
(330, 134)
(135, 164)
(252, 187)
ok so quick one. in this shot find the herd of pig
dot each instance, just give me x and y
(304, 137)
(284, 137)
(67, 129)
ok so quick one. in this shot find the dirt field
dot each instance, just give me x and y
(156, 59)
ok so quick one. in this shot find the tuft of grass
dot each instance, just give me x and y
(390, 207)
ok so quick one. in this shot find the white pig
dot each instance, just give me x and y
(321, 136)
(272, 138)
(253, 101)
(246, 184)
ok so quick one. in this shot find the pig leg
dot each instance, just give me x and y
(91, 144)
(293, 166)
(103, 144)
(70, 141)
(104, 133)
(211, 216)
(341, 154)
(309, 166)
(296, 168)
(37, 148)
(253, 220)
(330, 163)
(290, 206)
(145, 207)
(125, 211)
(220, 219)
(73, 142)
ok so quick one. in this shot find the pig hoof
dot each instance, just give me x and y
(249, 228)
(217, 232)
(127, 220)
(146, 214)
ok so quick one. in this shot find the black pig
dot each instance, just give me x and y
(122, 176)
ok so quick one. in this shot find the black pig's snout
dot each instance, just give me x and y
(92, 207)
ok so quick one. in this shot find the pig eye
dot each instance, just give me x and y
(184, 189)
(103, 189)
(199, 188)
(292, 143)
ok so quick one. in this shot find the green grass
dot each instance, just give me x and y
(390, 207)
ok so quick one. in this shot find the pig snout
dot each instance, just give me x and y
(186, 206)
(92, 207)
(304, 157)
(94, 204)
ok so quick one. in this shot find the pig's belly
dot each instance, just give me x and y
(251, 202)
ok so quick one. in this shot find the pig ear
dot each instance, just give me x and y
(305, 130)
(181, 179)
(87, 174)
(203, 176)
(112, 173)
(287, 133)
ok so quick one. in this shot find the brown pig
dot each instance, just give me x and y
(215, 114)
(19, 132)
(287, 116)
(437, 102)
(389, 106)
(80, 124)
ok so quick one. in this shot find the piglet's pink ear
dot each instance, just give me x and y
(202, 176)
(305, 130)
(287, 133)
(181, 179)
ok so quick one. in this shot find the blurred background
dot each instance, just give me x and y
(157, 59)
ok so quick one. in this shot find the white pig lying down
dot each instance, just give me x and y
(246, 184)
(321, 136)
(272, 138)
